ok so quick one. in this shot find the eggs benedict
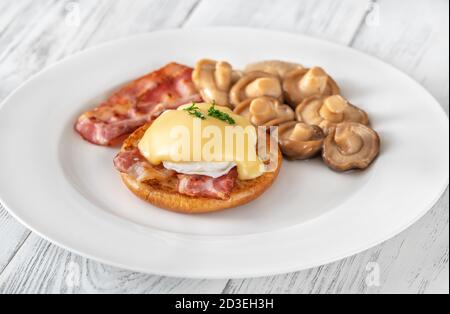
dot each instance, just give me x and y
(196, 159)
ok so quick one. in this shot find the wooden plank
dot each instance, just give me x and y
(330, 19)
(42, 35)
(12, 236)
(419, 257)
(127, 18)
(37, 38)
(416, 41)
(40, 267)
(14, 20)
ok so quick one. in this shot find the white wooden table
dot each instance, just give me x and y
(410, 34)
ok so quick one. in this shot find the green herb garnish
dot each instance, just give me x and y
(215, 113)
(195, 111)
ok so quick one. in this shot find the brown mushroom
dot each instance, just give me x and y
(254, 85)
(299, 140)
(274, 67)
(326, 112)
(303, 83)
(350, 146)
(265, 111)
(213, 80)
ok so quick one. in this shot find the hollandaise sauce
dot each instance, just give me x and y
(183, 136)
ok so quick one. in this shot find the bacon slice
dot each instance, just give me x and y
(125, 160)
(203, 186)
(137, 103)
(134, 164)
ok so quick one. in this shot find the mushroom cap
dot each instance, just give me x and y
(265, 111)
(299, 140)
(213, 79)
(350, 146)
(327, 111)
(302, 83)
(254, 85)
(274, 67)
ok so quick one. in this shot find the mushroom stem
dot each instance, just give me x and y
(314, 82)
(266, 111)
(348, 142)
(259, 106)
(333, 108)
(223, 75)
(301, 132)
(213, 80)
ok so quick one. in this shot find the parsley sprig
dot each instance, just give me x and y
(215, 113)
(195, 111)
(212, 112)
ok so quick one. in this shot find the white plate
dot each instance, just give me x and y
(67, 190)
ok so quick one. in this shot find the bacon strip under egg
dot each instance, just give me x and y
(134, 164)
(204, 186)
(138, 103)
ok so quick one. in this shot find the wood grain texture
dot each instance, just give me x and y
(35, 34)
(40, 267)
(329, 19)
(416, 41)
(12, 236)
(40, 35)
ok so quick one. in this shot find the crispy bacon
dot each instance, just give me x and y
(125, 160)
(133, 163)
(137, 103)
(203, 186)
